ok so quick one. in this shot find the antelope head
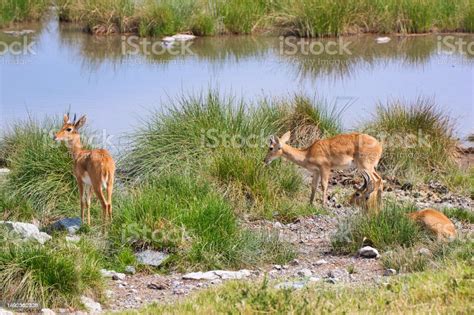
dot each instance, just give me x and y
(362, 193)
(275, 147)
(69, 130)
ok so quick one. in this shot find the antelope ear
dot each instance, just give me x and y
(66, 118)
(284, 139)
(80, 122)
(273, 140)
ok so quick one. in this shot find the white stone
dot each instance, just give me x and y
(27, 231)
(369, 252)
(47, 311)
(5, 312)
(217, 274)
(382, 40)
(4, 171)
(73, 239)
(91, 306)
(389, 272)
(304, 272)
(151, 257)
(320, 262)
(290, 285)
(183, 37)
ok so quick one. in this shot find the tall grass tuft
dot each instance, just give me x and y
(390, 228)
(15, 11)
(185, 217)
(417, 139)
(41, 169)
(53, 275)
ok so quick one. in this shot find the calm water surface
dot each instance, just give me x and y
(93, 75)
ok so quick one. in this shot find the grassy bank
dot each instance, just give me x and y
(16, 11)
(306, 18)
(444, 291)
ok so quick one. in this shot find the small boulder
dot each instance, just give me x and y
(337, 274)
(130, 270)
(90, 305)
(290, 285)
(389, 272)
(47, 311)
(210, 275)
(369, 252)
(71, 225)
(424, 251)
(26, 231)
(118, 276)
(151, 257)
(320, 262)
(305, 272)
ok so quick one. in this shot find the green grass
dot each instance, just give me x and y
(445, 291)
(16, 11)
(389, 228)
(417, 138)
(463, 215)
(54, 275)
(224, 139)
(306, 18)
(41, 169)
(194, 224)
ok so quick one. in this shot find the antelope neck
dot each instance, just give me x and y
(297, 156)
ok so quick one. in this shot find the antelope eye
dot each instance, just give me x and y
(69, 129)
(357, 194)
(271, 148)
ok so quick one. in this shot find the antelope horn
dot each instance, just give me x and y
(366, 181)
(74, 121)
(370, 184)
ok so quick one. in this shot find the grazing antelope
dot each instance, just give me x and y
(368, 196)
(340, 151)
(93, 169)
(436, 222)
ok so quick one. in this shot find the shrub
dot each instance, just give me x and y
(389, 228)
(417, 139)
(41, 170)
(187, 219)
(53, 275)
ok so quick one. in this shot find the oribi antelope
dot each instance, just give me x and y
(93, 169)
(341, 151)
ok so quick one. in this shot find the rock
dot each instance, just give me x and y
(118, 276)
(277, 267)
(277, 225)
(314, 279)
(295, 262)
(320, 262)
(5, 312)
(90, 305)
(216, 281)
(47, 311)
(19, 33)
(151, 257)
(331, 280)
(112, 274)
(183, 37)
(157, 286)
(4, 171)
(73, 239)
(369, 252)
(338, 274)
(71, 225)
(290, 285)
(407, 186)
(304, 272)
(382, 40)
(130, 270)
(217, 274)
(27, 231)
(424, 251)
(389, 272)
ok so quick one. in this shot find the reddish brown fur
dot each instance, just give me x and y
(436, 222)
(367, 198)
(340, 151)
(96, 165)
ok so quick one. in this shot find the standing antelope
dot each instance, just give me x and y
(93, 169)
(340, 151)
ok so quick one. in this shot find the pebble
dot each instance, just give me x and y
(320, 262)
(389, 272)
(369, 252)
(304, 272)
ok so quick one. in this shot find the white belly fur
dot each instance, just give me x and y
(86, 179)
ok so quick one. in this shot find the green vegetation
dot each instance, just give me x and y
(55, 274)
(445, 291)
(41, 170)
(15, 11)
(197, 226)
(306, 18)
(389, 228)
(463, 215)
(417, 139)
